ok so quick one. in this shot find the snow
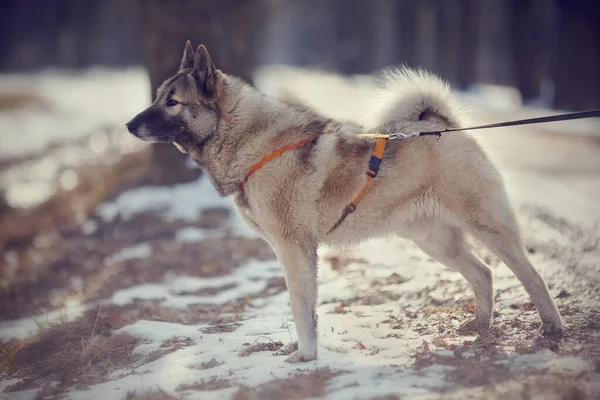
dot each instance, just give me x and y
(380, 368)
(246, 280)
(75, 104)
(183, 201)
(142, 250)
(272, 320)
(193, 234)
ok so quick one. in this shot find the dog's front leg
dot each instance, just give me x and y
(300, 267)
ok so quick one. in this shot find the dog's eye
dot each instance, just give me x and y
(172, 103)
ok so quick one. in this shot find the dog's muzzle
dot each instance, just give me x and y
(133, 126)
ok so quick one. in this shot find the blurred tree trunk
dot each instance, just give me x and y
(467, 53)
(354, 29)
(228, 28)
(577, 74)
(426, 34)
(457, 41)
(384, 33)
(493, 44)
(406, 12)
(526, 48)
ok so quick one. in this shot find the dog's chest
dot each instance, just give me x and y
(245, 211)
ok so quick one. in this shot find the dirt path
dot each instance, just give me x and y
(208, 305)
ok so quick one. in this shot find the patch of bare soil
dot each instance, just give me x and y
(535, 384)
(99, 176)
(487, 360)
(221, 318)
(60, 267)
(151, 395)
(301, 386)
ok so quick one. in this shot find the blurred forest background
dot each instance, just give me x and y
(548, 49)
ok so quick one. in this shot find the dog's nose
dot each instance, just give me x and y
(132, 125)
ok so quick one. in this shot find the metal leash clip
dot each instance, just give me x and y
(400, 135)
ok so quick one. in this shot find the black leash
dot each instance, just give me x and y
(551, 118)
(382, 140)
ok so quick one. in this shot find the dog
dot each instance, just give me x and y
(435, 193)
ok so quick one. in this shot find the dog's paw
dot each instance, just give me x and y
(299, 356)
(552, 328)
(474, 324)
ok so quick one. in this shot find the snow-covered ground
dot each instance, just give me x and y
(388, 314)
(68, 106)
(57, 109)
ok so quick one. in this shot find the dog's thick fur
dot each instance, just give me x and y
(432, 193)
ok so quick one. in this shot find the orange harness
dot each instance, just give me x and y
(275, 154)
(374, 164)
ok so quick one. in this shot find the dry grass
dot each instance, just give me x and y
(8, 353)
(77, 353)
(312, 384)
(150, 395)
(209, 364)
(270, 345)
(214, 383)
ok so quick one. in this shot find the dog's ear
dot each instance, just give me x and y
(189, 58)
(205, 71)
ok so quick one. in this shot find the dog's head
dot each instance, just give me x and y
(185, 105)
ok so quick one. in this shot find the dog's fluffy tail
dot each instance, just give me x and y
(416, 95)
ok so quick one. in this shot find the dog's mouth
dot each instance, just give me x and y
(153, 138)
(148, 136)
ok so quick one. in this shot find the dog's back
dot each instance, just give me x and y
(421, 179)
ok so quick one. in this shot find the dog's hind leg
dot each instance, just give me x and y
(447, 245)
(493, 223)
(300, 268)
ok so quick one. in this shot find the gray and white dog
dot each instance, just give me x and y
(432, 193)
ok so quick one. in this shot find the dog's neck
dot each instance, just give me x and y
(251, 125)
